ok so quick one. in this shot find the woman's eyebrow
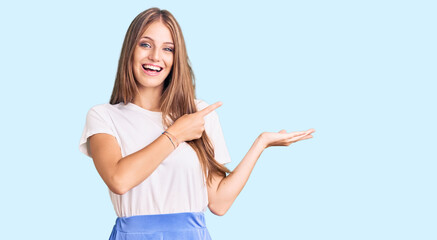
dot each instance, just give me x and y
(154, 40)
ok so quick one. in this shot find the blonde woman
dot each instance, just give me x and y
(161, 151)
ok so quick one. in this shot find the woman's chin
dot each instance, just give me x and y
(147, 83)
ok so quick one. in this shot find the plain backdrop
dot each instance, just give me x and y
(361, 73)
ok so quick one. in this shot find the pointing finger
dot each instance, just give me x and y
(209, 109)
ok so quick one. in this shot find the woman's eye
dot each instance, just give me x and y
(144, 44)
(169, 49)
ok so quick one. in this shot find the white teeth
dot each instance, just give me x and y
(152, 67)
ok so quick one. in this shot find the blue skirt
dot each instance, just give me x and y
(181, 226)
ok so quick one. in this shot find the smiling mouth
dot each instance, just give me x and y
(145, 67)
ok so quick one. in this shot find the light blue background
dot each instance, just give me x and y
(361, 73)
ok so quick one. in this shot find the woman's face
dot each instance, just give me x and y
(153, 52)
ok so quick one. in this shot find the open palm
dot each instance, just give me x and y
(282, 138)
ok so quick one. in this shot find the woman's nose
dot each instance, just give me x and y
(154, 55)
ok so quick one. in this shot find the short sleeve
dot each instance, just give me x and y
(215, 133)
(95, 123)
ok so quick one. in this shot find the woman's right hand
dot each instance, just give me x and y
(191, 126)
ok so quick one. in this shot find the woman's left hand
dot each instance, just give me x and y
(282, 138)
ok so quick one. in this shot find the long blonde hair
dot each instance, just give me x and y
(178, 96)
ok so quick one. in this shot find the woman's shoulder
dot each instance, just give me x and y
(101, 108)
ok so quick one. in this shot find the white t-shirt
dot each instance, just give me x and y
(178, 184)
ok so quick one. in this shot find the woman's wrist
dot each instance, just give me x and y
(261, 141)
(173, 135)
(174, 141)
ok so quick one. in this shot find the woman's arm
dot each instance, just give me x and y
(224, 190)
(122, 174)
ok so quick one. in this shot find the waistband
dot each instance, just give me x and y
(160, 222)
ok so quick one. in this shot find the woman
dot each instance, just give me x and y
(161, 151)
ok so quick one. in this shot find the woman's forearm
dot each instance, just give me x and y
(231, 185)
(136, 167)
